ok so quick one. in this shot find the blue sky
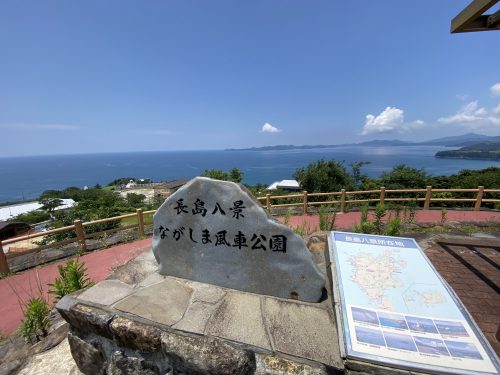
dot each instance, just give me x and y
(94, 76)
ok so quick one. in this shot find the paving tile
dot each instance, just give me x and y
(302, 330)
(107, 292)
(163, 303)
(239, 318)
(480, 299)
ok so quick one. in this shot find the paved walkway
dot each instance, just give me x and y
(101, 263)
(348, 220)
(470, 266)
(26, 284)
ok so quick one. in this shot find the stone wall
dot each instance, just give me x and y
(103, 342)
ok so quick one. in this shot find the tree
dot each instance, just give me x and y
(471, 179)
(216, 174)
(357, 177)
(324, 176)
(135, 200)
(51, 194)
(234, 175)
(404, 177)
(122, 181)
(32, 217)
(50, 204)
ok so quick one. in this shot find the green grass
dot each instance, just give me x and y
(148, 218)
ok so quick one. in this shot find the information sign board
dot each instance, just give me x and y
(396, 309)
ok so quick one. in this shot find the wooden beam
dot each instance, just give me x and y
(494, 19)
(470, 15)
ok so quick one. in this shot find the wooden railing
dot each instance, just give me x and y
(340, 199)
(78, 227)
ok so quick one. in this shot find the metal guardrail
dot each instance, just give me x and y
(341, 198)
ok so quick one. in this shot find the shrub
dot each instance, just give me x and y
(326, 220)
(72, 277)
(444, 214)
(36, 319)
(393, 227)
(364, 213)
(302, 230)
(288, 215)
(367, 227)
(380, 213)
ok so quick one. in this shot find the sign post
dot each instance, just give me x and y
(395, 309)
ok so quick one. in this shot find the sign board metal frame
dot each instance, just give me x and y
(345, 334)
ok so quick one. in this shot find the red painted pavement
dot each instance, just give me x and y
(348, 220)
(99, 265)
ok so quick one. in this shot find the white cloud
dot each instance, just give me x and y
(495, 89)
(389, 120)
(470, 112)
(268, 128)
(41, 126)
(462, 97)
(472, 116)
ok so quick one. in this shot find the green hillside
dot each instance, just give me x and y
(484, 151)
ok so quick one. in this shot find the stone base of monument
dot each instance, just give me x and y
(152, 324)
(144, 323)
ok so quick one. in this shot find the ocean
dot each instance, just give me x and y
(24, 178)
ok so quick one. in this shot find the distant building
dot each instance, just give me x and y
(131, 184)
(8, 212)
(165, 189)
(174, 185)
(10, 229)
(284, 185)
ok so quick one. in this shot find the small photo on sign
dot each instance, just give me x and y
(399, 341)
(365, 316)
(369, 336)
(463, 349)
(421, 324)
(450, 328)
(430, 346)
(392, 320)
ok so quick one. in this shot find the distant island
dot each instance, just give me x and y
(483, 151)
(464, 140)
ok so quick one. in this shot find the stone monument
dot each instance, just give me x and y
(226, 289)
(215, 232)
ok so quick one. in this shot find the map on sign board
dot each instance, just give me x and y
(396, 309)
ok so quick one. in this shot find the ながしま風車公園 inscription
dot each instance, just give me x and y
(215, 232)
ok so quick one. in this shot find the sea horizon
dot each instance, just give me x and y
(26, 177)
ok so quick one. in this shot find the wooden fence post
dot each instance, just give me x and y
(428, 195)
(4, 266)
(382, 195)
(140, 222)
(268, 202)
(305, 203)
(80, 234)
(342, 201)
(479, 198)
